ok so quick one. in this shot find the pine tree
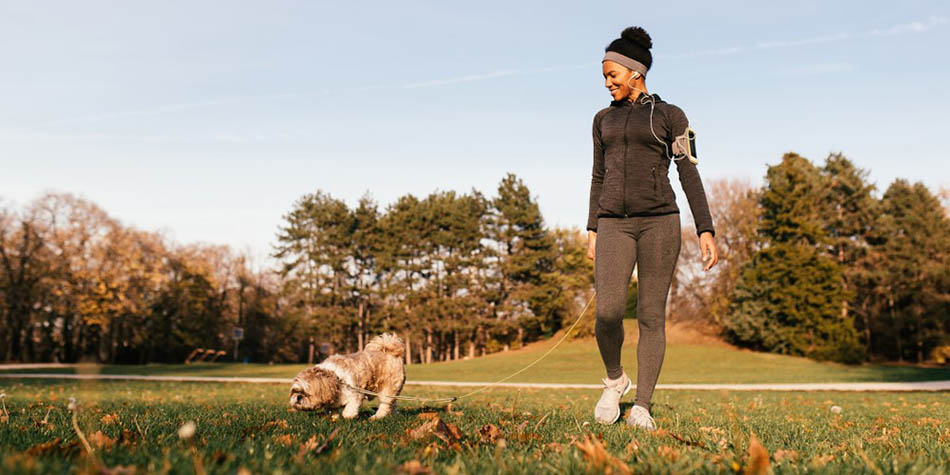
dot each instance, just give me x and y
(789, 297)
(529, 291)
(915, 282)
(853, 211)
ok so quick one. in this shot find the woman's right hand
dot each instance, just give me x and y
(591, 244)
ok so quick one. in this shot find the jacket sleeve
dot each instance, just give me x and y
(689, 176)
(596, 176)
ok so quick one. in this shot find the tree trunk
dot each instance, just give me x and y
(428, 345)
(455, 345)
(408, 348)
(359, 326)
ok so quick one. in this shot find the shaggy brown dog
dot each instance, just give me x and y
(378, 368)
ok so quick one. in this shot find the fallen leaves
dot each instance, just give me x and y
(311, 446)
(790, 455)
(597, 457)
(279, 423)
(413, 467)
(101, 441)
(109, 419)
(489, 433)
(52, 447)
(928, 421)
(757, 458)
(434, 425)
(669, 453)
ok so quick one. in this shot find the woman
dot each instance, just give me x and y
(633, 219)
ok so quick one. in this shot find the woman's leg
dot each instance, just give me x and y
(658, 247)
(615, 255)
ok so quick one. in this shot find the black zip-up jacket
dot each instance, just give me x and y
(629, 177)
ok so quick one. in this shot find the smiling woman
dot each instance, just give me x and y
(633, 209)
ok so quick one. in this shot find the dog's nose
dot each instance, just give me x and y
(299, 398)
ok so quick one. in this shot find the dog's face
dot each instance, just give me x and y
(314, 389)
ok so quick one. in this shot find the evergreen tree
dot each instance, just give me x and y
(852, 216)
(915, 238)
(789, 297)
(529, 292)
(313, 246)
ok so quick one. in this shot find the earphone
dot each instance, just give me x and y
(636, 75)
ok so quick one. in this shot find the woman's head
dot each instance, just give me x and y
(626, 62)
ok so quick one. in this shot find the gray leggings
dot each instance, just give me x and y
(653, 243)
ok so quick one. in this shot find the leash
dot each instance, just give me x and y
(488, 385)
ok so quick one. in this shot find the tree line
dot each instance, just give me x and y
(813, 263)
(818, 265)
(457, 274)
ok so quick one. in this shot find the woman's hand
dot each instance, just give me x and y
(591, 244)
(707, 244)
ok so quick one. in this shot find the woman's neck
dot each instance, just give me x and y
(634, 94)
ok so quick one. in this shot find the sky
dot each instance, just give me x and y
(208, 120)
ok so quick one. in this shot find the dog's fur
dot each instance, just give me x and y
(378, 368)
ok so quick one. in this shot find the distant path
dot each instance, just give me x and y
(908, 386)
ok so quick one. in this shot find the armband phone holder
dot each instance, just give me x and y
(685, 145)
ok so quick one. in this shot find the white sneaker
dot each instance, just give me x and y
(640, 418)
(607, 410)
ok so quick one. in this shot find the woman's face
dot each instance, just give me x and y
(616, 79)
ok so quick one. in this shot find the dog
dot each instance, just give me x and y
(378, 368)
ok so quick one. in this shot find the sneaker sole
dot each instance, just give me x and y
(619, 412)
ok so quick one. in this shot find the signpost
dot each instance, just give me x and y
(238, 335)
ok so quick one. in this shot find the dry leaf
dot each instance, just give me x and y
(780, 455)
(413, 467)
(669, 453)
(597, 457)
(819, 461)
(449, 433)
(101, 440)
(51, 447)
(489, 433)
(286, 440)
(311, 445)
(109, 419)
(757, 458)
(928, 421)
(276, 423)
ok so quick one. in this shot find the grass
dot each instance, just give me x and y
(578, 361)
(240, 426)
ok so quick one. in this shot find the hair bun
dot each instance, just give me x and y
(637, 35)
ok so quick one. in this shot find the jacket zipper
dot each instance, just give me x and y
(624, 180)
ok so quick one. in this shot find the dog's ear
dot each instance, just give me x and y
(324, 388)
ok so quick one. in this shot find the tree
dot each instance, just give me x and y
(705, 296)
(853, 211)
(528, 290)
(788, 298)
(914, 236)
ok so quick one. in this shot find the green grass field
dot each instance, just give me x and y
(134, 426)
(579, 362)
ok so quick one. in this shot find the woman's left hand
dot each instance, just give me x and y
(707, 244)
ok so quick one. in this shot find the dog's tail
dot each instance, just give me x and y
(387, 343)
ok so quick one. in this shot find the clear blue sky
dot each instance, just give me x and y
(208, 119)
